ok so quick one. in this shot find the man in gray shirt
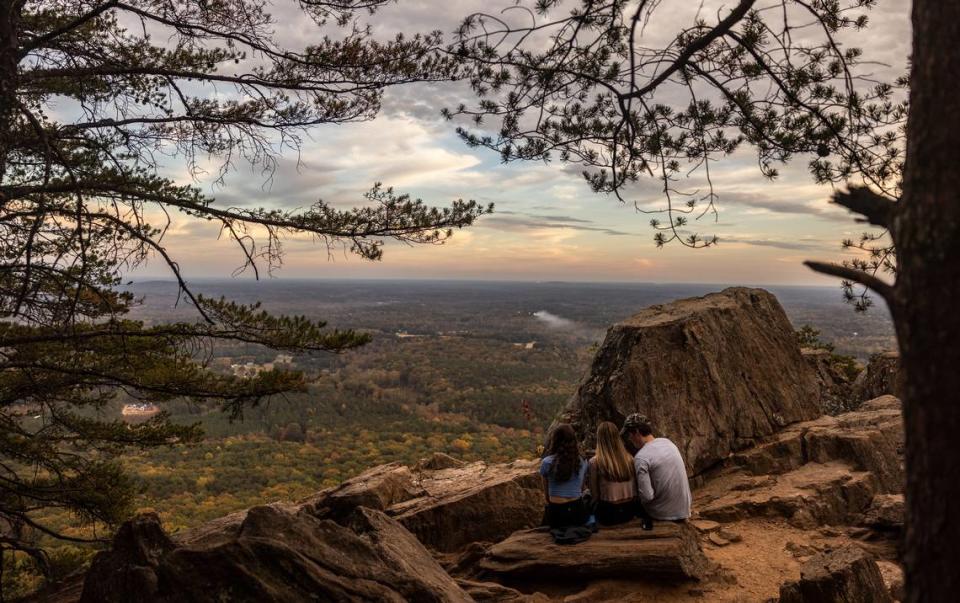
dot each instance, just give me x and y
(661, 475)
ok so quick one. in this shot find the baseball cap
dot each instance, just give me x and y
(633, 421)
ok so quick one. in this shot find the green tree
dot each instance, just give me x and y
(93, 93)
(589, 87)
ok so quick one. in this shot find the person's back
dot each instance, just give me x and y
(662, 480)
(613, 482)
(563, 471)
(562, 490)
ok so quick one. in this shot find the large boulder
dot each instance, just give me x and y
(715, 374)
(276, 555)
(446, 507)
(669, 553)
(478, 502)
(377, 488)
(848, 574)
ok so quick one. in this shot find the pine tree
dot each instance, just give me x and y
(93, 94)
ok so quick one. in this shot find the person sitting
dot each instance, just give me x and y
(662, 483)
(563, 471)
(613, 483)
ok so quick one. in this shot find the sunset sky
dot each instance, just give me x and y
(548, 225)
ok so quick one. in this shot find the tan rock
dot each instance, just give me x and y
(276, 555)
(377, 488)
(670, 552)
(438, 460)
(474, 503)
(717, 539)
(848, 574)
(892, 575)
(886, 512)
(705, 525)
(809, 496)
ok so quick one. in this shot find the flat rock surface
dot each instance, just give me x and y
(715, 374)
(813, 495)
(670, 552)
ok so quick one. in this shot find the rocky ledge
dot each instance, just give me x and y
(461, 532)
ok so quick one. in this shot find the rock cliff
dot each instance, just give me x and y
(715, 374)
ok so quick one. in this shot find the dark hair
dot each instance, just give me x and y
(643, 429)
(566, 450)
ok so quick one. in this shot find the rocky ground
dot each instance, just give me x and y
(790, 504)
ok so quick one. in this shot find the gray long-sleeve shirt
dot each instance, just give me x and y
(662, 480)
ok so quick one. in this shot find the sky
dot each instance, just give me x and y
(548, 224)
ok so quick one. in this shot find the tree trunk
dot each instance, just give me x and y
(9, 26)
(926, 231)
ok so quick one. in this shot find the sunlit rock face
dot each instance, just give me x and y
(715, 374)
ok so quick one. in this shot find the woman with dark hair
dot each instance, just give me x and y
(613, 483)
(563, 471)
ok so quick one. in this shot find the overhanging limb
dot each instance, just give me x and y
(877, 209)
(880, 287)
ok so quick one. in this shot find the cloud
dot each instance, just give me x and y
(774, 243)
(511, 223)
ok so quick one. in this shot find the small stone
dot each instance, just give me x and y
(729, 535)
(830, 532)
(799, 550)
(705, 525)
(718, 540)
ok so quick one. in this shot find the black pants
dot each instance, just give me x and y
(561, 515)
(611, 514)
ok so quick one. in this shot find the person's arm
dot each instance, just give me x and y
(594, 483)
(644, 485)
(544, 470)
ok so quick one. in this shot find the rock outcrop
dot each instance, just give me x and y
(826, 471)
(277, 555)
(715, 374)
(448, 507)
(834, 380)
(886, 512)
(880, 378)
(669, 553)
(474, 503)
(849, 574)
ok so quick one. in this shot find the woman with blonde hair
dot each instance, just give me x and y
(613, 482)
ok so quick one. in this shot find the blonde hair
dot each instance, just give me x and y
(614, 463)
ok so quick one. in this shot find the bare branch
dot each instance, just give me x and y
(882, 288)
